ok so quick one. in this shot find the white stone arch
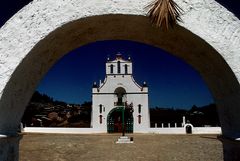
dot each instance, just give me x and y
(43, 31)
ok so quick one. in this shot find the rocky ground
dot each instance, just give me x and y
(102, 147)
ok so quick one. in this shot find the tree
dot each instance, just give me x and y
(164, 13)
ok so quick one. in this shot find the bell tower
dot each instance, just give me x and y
(119, 66)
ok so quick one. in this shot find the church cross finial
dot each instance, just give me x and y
(118, 55)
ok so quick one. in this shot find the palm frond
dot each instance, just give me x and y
(164, 13)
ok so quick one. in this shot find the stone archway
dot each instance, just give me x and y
(42, 32)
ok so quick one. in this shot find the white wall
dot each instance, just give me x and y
(114, 81)
(206, 130)
(179, 130)
(122, 66)
(60, 130)
(108, 105)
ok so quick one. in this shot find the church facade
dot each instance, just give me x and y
(119, 102)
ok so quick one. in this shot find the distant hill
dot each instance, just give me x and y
(42, 110)
(198, 116)
(203, 116)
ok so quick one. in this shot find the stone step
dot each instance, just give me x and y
(124, 139)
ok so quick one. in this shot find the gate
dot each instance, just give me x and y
(114, 121)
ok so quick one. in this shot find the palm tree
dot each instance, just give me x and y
(164, 13)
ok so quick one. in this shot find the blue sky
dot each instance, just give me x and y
(172, 82)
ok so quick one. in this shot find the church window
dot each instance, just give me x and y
(139, 108)
(139, 119)
(100, 108)
(100, 119)
(111, 69)
(119, 67)
(126, 68)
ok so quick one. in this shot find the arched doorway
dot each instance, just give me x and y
(114, 121)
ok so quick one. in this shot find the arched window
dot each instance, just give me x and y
(111, 69)
(100, 108)
(126, 68)
(100, 119)
(120, 92)
(139, 119)
(139, 108)
(119, 67)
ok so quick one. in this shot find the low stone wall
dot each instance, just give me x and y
(60, 130)
(178, 130)
(207, 130)
(182, 130)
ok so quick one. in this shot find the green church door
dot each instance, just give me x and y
(114, 121)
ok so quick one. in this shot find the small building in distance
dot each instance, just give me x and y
(119, 90)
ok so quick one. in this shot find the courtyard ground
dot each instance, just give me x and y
(102, 147)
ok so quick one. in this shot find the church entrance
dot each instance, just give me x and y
(115, 120)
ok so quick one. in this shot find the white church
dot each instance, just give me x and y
(119, 91)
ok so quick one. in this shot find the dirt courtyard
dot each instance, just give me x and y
(102, 147)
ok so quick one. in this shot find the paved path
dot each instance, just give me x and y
(146, 147)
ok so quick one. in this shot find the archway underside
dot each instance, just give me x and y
(179, 41)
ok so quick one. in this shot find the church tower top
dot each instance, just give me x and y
(119, 66)
(119, 56)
